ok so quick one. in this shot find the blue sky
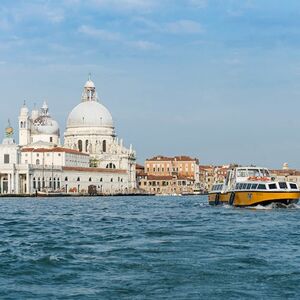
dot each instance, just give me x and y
(215, 79)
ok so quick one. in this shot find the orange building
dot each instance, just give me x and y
(173, 166)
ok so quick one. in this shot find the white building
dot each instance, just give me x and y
(92, 154)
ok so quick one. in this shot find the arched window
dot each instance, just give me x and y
(80, 145)
(21, 124)
(58, 183)
(34, 183)
(86, 146)
(37, 162)
(90, 179)
(104, 146)
(66, 179)
(110, 166)
(43, 182)
(111, 180)
(78, 178)
(54, 183)
(101, 179)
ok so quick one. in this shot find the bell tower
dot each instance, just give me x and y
(24, 126)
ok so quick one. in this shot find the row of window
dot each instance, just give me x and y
(259, 186)
(38, 154)
(217, 187)
(80, 146)
(101, 179)
(262, 186)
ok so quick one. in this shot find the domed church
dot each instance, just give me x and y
(90, 129)
(92, 158)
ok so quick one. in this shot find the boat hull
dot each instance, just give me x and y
(251, 198)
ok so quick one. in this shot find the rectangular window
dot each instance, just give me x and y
(244, 186)
(248, 186)
(283, 185)
(261, 187)
(293, 186)
(6, 158)
(272, 186)
(254, 186)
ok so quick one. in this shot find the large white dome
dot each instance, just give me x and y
(90, 114)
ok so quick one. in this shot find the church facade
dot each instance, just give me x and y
(91, 158)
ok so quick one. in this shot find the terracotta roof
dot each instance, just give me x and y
(156, 177)
(175, 158)
(95, 170)
(160, 158)
(55, 149)
(138, 166)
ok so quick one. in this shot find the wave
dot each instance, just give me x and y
(275, 206)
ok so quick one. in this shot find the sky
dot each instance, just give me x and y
(214, 79)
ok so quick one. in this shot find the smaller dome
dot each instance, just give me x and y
(46, 125)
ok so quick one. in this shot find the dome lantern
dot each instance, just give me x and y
(90, 113)
(89, 91)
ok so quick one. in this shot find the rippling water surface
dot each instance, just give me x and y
(146, 248)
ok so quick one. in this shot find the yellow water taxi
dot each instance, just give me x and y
(251, 186)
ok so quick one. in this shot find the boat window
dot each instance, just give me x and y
(242, 173)
(248, 186)
(262, 187)
(283, 185)
(253, 173)
(237, 186)
(244, 185)
(254, 186)
(272, 186)
(293, 186)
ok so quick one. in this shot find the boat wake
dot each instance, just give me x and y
(275, 206)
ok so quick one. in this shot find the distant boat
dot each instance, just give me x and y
(49, 193)
(251, 186)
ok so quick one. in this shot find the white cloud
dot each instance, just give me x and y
(144, 45)
(117, 37)
(184, 26)
(100, 33)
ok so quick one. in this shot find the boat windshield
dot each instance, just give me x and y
(241, 173)
(253, 172)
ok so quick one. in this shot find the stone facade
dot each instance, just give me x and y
(92, 155)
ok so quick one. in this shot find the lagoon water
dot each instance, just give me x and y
(146, 248)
